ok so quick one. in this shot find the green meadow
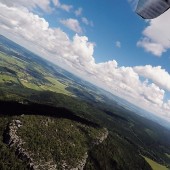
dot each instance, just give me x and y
(155, 165)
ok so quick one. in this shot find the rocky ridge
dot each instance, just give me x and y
(13, 140)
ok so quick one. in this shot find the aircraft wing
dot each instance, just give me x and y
(149, 9)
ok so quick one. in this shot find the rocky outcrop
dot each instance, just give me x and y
(13, 140)
(98, 141)
(102, 137)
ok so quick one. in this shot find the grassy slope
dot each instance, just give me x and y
(168, 155)
(155, 165)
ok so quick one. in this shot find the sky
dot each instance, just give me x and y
(104, 42)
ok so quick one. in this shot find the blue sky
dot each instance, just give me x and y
(113, 21)
(104, 42)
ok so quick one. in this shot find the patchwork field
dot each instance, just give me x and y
(14, 71)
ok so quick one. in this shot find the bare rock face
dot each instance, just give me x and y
(104, 136)
(13, 140)
(101, 138)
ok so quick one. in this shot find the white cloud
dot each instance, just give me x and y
(42, 4)
(118, 44)
(150, 46)
(154, 94)
(33, 36)
(86, 21)
(65, 7)
(78, 12)
(30, 4)
(56, 2)
(76, 54)
(158, 75)
(167, 105)
(156, 36)
(72, 24)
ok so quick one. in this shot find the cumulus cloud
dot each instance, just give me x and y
(30, 4)
(65, 7)
(78, 12)
(86, 21)
(33, 36)
(156, 36)
(76, 54)
(42, 4)
(154, 94)
(150, 46)
(118, 44)
(158, 75)
(166, 105)
(72, 24)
